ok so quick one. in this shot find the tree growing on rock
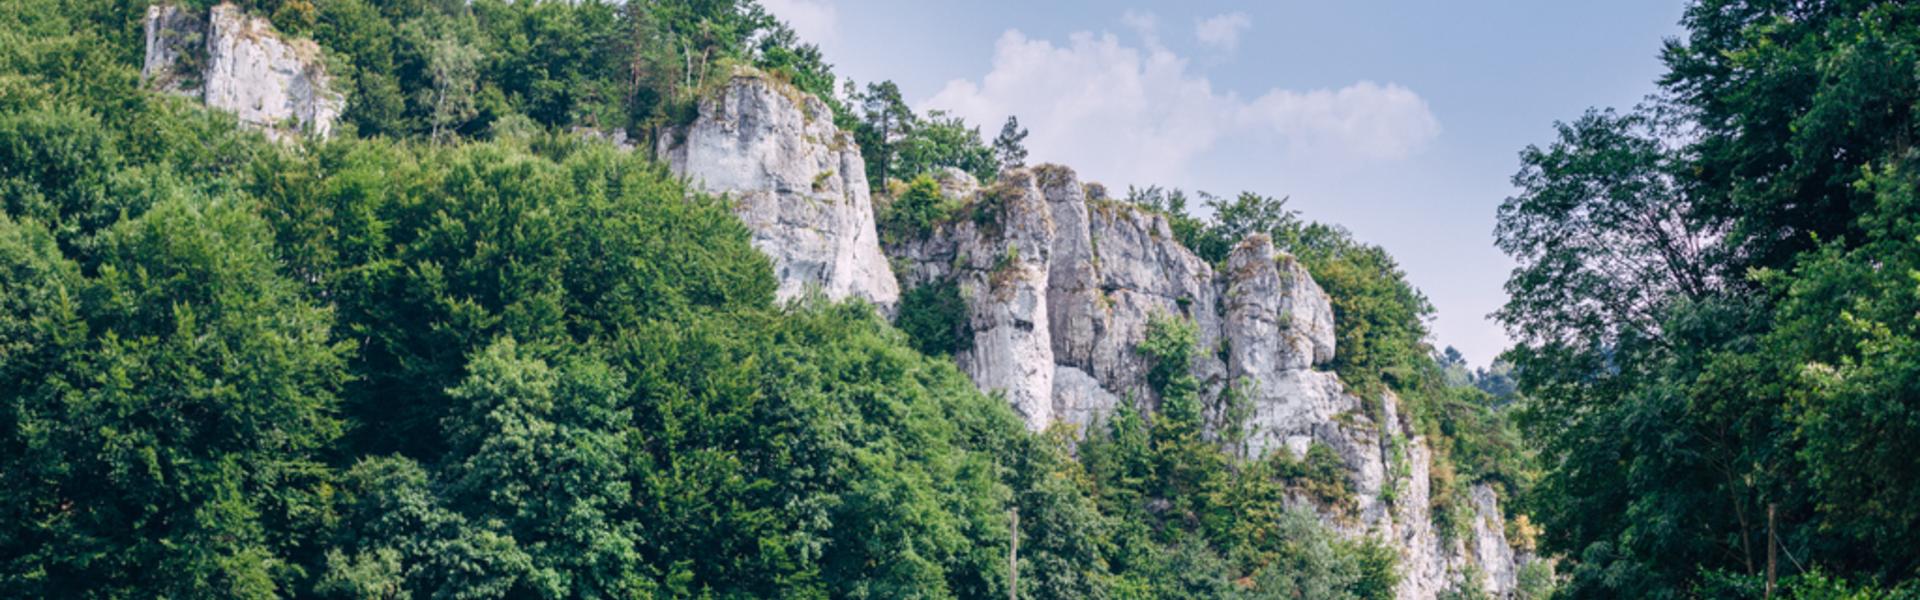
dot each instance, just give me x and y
(1010, 147)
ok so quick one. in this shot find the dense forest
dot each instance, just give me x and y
(468, 348)
(1715, 309)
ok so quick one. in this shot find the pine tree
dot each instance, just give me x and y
(1010, 147)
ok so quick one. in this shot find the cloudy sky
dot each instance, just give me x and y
(1399, 120)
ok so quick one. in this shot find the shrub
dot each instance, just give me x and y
(934, 317)
(914, 210)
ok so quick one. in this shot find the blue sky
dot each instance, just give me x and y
(1401, 121)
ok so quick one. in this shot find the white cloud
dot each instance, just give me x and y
(1125, 114)
(1366, 119)
(816, 21)
(1145, 24)
(1222, 32)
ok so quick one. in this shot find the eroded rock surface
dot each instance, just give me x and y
(796, 180)
(238, 63)
(1000, 256)
(1060, 292)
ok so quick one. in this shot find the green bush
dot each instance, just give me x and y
(934, 317)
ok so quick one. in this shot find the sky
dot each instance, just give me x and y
(1401, 121)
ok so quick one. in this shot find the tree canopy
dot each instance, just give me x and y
(1705, 304)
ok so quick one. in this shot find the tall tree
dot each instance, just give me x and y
(941, 141)
(453, 66)
(885, 121)
(1697, 312)
(1010, 147)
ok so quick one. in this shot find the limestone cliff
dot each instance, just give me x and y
(796, 180)
(1060, 289)
(1000, 259)
(237, 63)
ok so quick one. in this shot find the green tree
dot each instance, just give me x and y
(1010, 147)
(1691, 278)
(453, 67)
(542, 451)
(885, 121)
(1850, 380)
(914, 211)
(165, 415)
(934, 317)
(940, 141)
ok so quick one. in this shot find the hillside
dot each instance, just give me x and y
(544, 299)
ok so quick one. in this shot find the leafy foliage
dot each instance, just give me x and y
(934, 317)
(1705, 303)
(913, 211)
(898, 144)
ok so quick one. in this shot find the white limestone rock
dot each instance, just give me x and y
(1491, 550)
(1001, 263)
(1073, 292)
(239, 64)
(1277, 321)
(1143, 271)
(1306, 312)
(1079, 400)
(1109, 269)
(796, 181)
(956, 183)
(176, 38)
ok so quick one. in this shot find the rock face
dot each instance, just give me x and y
(1000, 259)
(175, 38)
(796, 180)
(1060, 291)
(1279, 325)
(237, 63)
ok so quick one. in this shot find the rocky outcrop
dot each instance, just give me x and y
(1000, 256)
(1489, 542)
(796, 181)
(176, 44)
(237, 63)
(1279, 324)
(1140, 271)
(1060, 289)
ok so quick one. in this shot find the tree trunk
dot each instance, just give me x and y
(1013, 558)
(1772, 546)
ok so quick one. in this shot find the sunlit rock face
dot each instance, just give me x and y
(239, 64)
(796, 181)
(1279, 325)
(1000, 258)
(1060, 292)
